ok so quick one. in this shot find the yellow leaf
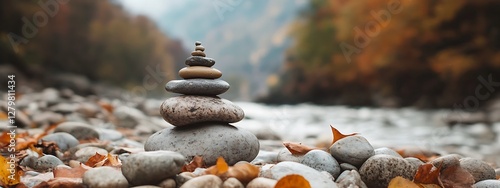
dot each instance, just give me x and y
(9, 171)
(400, 182)
(244, 172)
(96, 160)
(219, 168)
(112, 160)
(292, 181)
(337, 135)
(297, 148)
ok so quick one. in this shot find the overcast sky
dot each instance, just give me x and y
(151, 8)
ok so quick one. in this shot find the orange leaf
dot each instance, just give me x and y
(219, 168)
(337, 135)
(96, 160)
(297, 148)
(400, 182)
(244, 172)
(292, 181)
(456, 176)
(427, 174)
(62, 183)
(64, 172)
(197, 162)
(112, 160)
(9, 171)
(423, 155)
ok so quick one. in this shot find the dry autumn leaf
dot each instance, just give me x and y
(103, 160)
(62, 183)
(337, 135)
(419, 153)
(64, 172)
(456, 176)
(244, 172)
(427, 174)
(400, 182)
(297, 148)
(197, 162)
(292, 181)
(9, 172)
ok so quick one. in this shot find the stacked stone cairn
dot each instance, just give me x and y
(201, 118)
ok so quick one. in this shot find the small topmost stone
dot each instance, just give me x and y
(198, 50)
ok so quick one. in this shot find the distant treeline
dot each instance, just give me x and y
(97, 39)
(400, 52)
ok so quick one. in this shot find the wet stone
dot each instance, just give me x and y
(197, 86)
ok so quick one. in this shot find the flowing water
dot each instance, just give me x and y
(383, 127)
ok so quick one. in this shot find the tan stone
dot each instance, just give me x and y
(199, 72)
(198, 53)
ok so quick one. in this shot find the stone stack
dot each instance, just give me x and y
(201, 118)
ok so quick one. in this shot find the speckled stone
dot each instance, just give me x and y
(316, 179)
(414, 161)
(446, 161)
(47, 162)
(199, 72)
(187, 109)
(150, 168)
(206, 181)
(321, 161)
(487, 184)
(478, 169)
(209, 140)
(63, 140)
(197, 86)
(80, 131)
(200, 61)
(352, 149)
(350, 178)
(104, 177)
(379, 170)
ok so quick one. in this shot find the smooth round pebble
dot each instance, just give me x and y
(109, 134)
(183, 177)
(199, 61)
(347, 166)
(349, 178)
(321, 161)
(47, 162)
(104, 177)
(386, 151)
(198, 86)
(354, 150)
(187, 110)
(415, 162)
(84, 154)
(199, 48)
(261, 182)
(209, 140)
(446, 161)
(206, 181)
(265, 157)
(63, 140)
(198, 53)
(478, 169)
(315, 178)
(487, 184)
(80, 131)
(232, 183)
(152, 167)
(168, 183)
(379, 170)
(199, 72)
(285, 155)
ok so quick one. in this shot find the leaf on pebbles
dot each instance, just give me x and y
(62, 183)
(64, 172)
(9, 172)
(456, 176)
(427, 174)
(197, 162)
(103, 160)
(337, 135)
(244, 172)
(400, 182)
(292, 181)
(297, 148)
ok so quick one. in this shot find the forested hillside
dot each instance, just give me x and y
(425, 53)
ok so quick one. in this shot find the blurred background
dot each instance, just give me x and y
(377, 53)
(401, 72)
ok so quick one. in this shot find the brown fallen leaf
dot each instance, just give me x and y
(337, 135)
(297, 148)
(427, 174)
(95, 160)
(244, 172)
(400, 182)
(419, 153)
(112, 160)
(197, 162)
(62, 183)
(292, 181)
(64, 172)
(10, 173)
(103, 160)
(456, 177)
